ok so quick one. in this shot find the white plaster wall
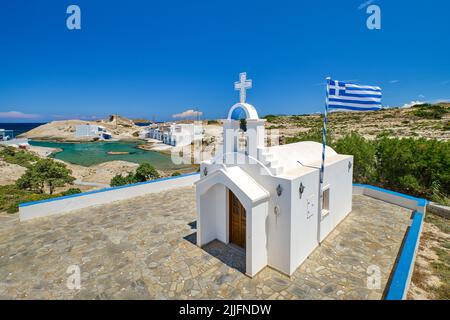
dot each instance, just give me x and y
(304, 228)
(64, 205)
(339, 179)
(278, 226)
(207, 224)
(256, 233)
(221, 212)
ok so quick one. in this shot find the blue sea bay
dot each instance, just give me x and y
(92, 153)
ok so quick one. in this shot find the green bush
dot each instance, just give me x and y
(71, 191)
(420, 167)
(428, 111)
(363, 151)
(175, 174)
(213, 122)
(271, 118)
(414, 165)
(45, 173)
(119, 180)
(143, 173)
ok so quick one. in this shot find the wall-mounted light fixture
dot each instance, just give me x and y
(205, 171)
(301, 189)
(276, 210)
(349, 165)
(279, 190)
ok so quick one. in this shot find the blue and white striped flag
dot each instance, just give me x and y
(347, 96)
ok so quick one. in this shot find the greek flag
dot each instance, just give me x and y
(341, 95)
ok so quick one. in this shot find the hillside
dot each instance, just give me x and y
(428, 121)
(119, 127)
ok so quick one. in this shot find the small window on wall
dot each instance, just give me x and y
(326, 202)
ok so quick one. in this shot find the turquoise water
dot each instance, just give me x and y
(91, 153)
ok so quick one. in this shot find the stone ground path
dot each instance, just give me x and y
(142, 249)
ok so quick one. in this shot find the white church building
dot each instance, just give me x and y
(265, 200)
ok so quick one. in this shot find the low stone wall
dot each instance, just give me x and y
(393, 197)
(44, 208)
(439, 210)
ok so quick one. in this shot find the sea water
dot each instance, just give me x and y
(91, 153)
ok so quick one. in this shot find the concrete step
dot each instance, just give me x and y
(266, 157)
(272, 163)
(276, 170)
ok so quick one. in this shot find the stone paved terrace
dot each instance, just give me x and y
(142, 249)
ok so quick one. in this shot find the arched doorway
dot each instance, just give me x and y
(237, 221)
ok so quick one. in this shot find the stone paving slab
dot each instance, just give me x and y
(143, 249)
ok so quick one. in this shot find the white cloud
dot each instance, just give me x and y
(188, 114)
(445, 82)
(18, 115)
(412, 104)
(394, 81)
(421, 96)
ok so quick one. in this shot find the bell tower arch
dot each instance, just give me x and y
(255, 126)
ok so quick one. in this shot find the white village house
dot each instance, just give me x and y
(91, 131)
(265, 199)
(6, 134)
(175, 134)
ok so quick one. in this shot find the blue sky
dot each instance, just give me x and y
(156, 58)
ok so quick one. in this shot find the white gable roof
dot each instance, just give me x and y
(237, 180)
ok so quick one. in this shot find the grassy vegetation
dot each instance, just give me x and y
(446, 126)
(432, 112)
(428, 121)
(271, 118)
(15, 156)
(420, 167)
(41, 174)
(441, 223)
(442, 270)
(11, 196)
(436, 267)
(314, 134)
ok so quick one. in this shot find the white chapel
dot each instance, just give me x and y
(265, 200)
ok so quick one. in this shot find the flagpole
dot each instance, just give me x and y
(322, 166)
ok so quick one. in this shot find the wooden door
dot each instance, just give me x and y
(237, 221)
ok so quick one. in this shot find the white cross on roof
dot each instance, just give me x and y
(242, 85)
